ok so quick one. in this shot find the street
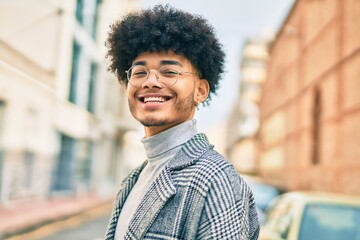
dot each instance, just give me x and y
(91, 230)
(90, 225)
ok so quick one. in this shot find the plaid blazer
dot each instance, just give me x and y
(198, 195)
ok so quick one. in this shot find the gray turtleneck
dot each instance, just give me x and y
(159, 149)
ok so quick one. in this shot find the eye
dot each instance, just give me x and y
(169, 72)
(138, 72)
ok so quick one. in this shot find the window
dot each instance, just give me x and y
(280, 217)
(87, 15)
(64, 175)
(91, 96)
(29, 169)
(80, 11)
(74, 72)
(316, 127)
(330, 221)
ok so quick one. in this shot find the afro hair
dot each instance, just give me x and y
(165, 28)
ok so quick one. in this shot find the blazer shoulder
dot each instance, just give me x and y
(218, 169)
(209, 170)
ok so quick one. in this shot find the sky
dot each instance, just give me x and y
(234, 22)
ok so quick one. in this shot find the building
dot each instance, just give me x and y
(310, 108)
(62, 116)
(244, 121)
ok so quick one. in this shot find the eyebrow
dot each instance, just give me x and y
(163, 62)
(171, 62)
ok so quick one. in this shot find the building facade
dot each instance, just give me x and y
(242, 134)
(62, 116)
(310, 108)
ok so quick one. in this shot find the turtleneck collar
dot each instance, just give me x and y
(169, 139)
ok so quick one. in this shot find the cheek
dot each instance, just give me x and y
(130, 92)
(184, 88)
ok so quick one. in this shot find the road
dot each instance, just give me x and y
(90, 225)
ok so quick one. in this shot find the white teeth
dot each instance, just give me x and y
(154, 99)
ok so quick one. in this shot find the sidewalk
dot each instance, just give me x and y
(22, 216)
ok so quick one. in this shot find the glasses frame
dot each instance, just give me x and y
(148, 71)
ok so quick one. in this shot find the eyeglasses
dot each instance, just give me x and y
(166, 75)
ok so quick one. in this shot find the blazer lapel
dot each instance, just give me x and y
(160, 191)
(190, 152)
(127, 185)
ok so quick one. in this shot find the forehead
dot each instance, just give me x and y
(161, 58)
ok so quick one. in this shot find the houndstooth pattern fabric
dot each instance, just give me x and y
(120, 199)
(199, 195)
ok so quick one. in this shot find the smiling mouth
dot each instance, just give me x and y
(155, 99)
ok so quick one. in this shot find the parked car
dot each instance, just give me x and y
(310, 215)
(264, 193)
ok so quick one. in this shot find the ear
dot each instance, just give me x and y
(202, 90)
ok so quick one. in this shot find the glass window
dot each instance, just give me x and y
(74, 72)
(87, 15)
(29, 159)
(80, 11)
(280, 217)
(331, 222)
(92, 81)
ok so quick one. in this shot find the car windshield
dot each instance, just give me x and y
(331, 222)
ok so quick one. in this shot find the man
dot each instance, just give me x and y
(170, 61)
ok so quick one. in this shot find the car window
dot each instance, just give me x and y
(280, 217)
(331, 222)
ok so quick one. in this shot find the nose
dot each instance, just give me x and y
(152, 80)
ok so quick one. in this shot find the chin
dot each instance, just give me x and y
(154, 123)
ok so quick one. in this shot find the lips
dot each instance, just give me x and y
(154, 99)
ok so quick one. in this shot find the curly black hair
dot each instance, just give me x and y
(165, 28)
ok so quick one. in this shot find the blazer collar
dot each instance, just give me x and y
(190, 152)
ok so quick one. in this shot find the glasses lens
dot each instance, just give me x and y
(168, 75)
(137, 75)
